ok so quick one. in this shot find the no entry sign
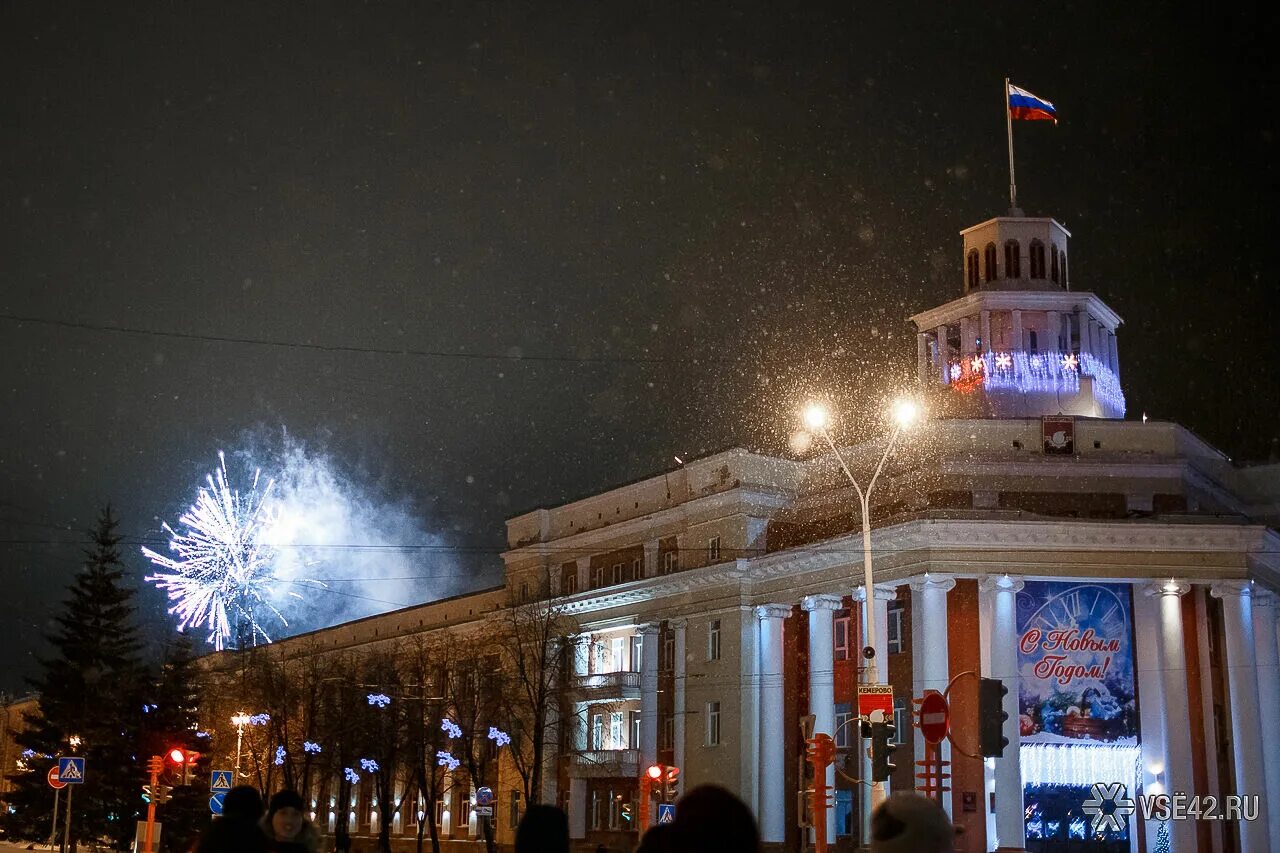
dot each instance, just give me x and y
(54, 782)
(873, 698)
(935, 717)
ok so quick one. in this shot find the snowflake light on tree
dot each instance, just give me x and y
(351, 775)
(219, 574)
(311, 747)
(382, 700)
(446, 760)
(280, 754)
(369, 764)
(259, 719)
(498, 736)
(450, 728)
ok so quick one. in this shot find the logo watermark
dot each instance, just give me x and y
(1110, 806)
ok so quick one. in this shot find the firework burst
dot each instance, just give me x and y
(219, 573)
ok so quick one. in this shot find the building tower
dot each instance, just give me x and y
(1019, 341)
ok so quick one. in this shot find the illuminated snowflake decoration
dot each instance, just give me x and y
(382, 700)
(955, 372)
(446, 759)
(499, 737)
(977, 364)
(1004, 361)
(351, 775)
(259, 719)
(311, 747)
(1037, 362)
(1070, 362)
(450, 728)
(204, 734)
(29, 753)
(369, 765)
(280, 754)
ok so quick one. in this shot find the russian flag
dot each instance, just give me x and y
(1023, 104)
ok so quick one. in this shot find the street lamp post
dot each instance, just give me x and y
(239, 720)
(816, 417)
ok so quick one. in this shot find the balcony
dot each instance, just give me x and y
(605, 763)
(606, 687)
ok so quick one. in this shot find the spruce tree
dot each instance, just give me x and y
(90, 705)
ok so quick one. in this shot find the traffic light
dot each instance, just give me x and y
(991, 717)
(671, 785)
(155, 765)
(882, 748)
(626, 813)
(160, 794)
(183, 759)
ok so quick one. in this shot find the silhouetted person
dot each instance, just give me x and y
(543, 829)
(660, 839)
(237, 831)
(711, 818)
(908, 822)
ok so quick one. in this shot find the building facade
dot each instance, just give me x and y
(1118, 576)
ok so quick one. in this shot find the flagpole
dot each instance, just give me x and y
(1008, 123)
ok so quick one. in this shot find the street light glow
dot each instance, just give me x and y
(906, 412)
(816, 416)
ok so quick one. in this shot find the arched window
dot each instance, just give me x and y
(1066, 282)
(1012, 260)
(989, 261)
(1037, 259)
(973, 269)
(1053, 263)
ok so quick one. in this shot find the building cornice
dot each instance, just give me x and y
(1017, 300)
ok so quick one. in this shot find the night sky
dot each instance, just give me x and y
(507, 255)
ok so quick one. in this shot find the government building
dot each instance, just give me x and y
(1117, 574)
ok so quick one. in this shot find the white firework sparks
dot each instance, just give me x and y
(220, 574)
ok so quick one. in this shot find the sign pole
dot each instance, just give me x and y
(53, 827)
(66, 830)
(151, 807)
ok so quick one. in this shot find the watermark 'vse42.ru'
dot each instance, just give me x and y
(1110, 807)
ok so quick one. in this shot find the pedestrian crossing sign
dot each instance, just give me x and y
(666, 813)
(71, 770)
(220, 780)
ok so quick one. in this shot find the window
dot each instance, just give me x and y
(1037, 259)
(440, 812)
(840, 641)
(973, 269)
(513, 811)
(667, 661)
(637, 652)
(713, 640)
(635, 730)
(597, 731)
(670, 562)
(524, 591)
(1063, 262)
(989, 261)
(1012, 259)
(668, 731)
(616, 650)
(900, 720)
(568, 580)
(597, 577)
(713, 550)
(616, 574)
(895, 627)
(617, 735)
(636, 571)
(844, 729)
(1053, 262)
(713, 724)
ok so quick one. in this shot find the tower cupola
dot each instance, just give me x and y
(1019, 339)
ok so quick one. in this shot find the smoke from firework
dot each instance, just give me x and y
(322, 548)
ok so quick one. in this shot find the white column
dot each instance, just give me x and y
(1172, 659)
(678, 627)
(648, 695)
(1242, 686)
(822, 682)
(1115, 354)
(966, 336)
(446, 824)
(1053, 335)
(577, 808)
(773, 727)
(880, 642)
(922, 357)
(930, 645)
(650, 565)
(944, 355)
(1015, 317)
(1264, 645)
(985, 321)
(750, 754)
(1002, 590)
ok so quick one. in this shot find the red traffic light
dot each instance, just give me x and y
(177, 756)
(654, 772)
(673, 774)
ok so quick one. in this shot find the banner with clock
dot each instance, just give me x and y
(1075, 659)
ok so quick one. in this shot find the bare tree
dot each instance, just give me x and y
(535, 639)
(385, 732)
(474, 690)
(425, 666)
